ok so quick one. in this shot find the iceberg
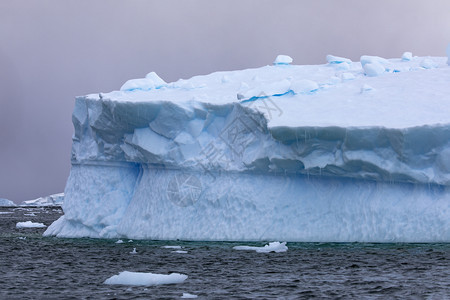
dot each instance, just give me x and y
(52, 200)
(6, 202)
(298, 153)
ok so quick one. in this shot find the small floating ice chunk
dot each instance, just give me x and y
(347, 76)
(283, 60)
(366, 88)
(180, 251)
(145, 279)
(119, 242)
(337, 60)
(373, 69)
(304, 86)
(188, 296)
(29, 224)
(134, 251)
(171, 247)
(30, 215)
(428, 63)
(407, 56)
(271, 247)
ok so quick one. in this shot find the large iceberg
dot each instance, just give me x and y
(51, 200)
(340, 152)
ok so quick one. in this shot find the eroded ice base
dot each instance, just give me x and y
(249, 207)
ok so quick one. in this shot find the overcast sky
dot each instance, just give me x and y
(52, 51)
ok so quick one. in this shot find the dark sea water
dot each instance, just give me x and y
(33, 267)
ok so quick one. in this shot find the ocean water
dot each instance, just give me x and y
(33, 267)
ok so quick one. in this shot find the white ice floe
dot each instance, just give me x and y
(119, 242)
(171, 247)
(189, 296)
(271, 247)
(29, 224)
(134, 251)
(145, 279)
(180, 251)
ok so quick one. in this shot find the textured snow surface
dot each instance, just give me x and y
(345, 151)
(145, 279)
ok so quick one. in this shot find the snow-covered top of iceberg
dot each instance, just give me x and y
(394, 93)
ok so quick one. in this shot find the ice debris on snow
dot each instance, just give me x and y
(271, 247)
(407, 56)
(304, 86)
(428, 63)
(29, 224)
(369, 59)
(373, 69)
(145, 279)
(337, 60)
(283, 60)
(151, 81)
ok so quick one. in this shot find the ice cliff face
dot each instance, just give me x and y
(338, 152)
